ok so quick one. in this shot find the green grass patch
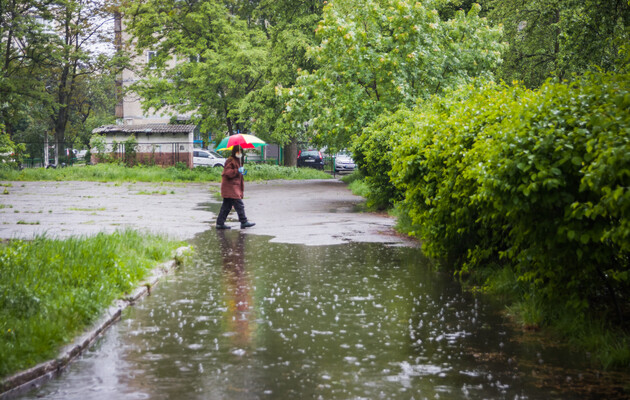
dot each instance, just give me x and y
(146, 192)
(355, 175)
(263, 172)
(119, 173)
(359, 188)
(608, 344)
(50, 289)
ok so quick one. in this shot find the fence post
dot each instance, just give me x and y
(45, 150)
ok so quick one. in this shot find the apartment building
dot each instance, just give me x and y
(159, 140)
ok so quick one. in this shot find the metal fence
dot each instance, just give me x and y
(148, 153)
(35, 155)
(153, 153)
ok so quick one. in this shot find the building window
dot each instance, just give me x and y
(150, 56)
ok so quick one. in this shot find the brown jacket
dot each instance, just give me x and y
(232, 181)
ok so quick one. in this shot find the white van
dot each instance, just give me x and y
(207, 158)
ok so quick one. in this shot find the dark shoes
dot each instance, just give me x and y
(243, 225)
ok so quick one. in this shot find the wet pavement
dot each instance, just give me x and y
(315, 212)
(317, 301)
(250, 319)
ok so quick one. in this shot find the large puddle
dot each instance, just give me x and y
(250, 319)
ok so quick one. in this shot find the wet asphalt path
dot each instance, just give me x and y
(315, 212)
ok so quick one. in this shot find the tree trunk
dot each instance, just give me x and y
(229, 126)
(290, 153)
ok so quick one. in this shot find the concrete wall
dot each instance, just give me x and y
(155, 148)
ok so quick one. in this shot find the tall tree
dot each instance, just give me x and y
(379, 55)
(555, 38)
(25, 45)
(79, 25)
(290, 28)
(207, 60)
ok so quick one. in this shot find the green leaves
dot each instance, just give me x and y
(207, 60)
(379, 55)
(550, 38)
(535, 180)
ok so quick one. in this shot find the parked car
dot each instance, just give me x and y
(344, 162)
(207, 158)
(310, 158)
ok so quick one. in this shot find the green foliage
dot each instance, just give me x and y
(50, 290)
(377, 55)
(53, 80)
(373, 154)
(24, 50)
(532, 186)
(551, 38)
(11, 154)
(98, 144)
(130, 144)
(220, 60)
(536, 180)
(555, 178)
(429, 170)
(290, 28)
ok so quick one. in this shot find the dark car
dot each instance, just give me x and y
(310, 158)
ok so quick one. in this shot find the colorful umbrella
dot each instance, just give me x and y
(245, 141)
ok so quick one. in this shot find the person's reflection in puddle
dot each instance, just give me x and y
(239, 321)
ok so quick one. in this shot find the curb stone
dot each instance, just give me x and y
(33, 377)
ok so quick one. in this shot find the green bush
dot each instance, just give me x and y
(536, 180)
(430, 172)
(373, 152)
(555, 178)
(503, 182)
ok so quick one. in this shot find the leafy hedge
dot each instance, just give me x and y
(431, 172)
(538, 181)
(373, 154)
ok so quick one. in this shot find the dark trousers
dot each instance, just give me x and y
(226, 207)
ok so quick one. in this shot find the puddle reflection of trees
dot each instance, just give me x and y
(239, 324)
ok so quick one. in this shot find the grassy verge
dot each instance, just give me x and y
(114, 173)
(50, 289)
(609, 346)
(356, 184)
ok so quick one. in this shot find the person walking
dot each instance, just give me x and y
(232, 188)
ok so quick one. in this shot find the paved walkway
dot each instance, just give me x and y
(312, 212)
